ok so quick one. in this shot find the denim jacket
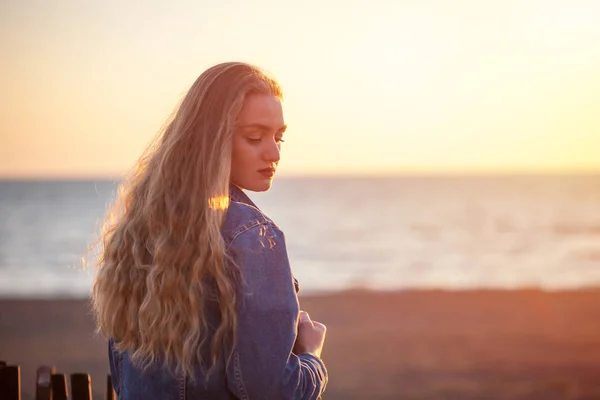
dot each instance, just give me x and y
(263, 364)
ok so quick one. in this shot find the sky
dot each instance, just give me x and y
(371, 86)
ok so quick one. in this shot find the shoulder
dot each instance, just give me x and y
(241, 218)
(257, 245)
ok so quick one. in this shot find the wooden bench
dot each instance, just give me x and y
(50, 385)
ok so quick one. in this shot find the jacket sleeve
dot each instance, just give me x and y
(114, 361)
(263, 365)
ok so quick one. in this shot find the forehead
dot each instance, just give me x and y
(264, 109)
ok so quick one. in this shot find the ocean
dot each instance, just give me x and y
(384, 233)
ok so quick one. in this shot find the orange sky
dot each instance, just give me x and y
(371, 86)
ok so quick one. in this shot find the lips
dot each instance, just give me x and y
(267, 172)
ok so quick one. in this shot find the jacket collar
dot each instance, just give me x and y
(236, 194)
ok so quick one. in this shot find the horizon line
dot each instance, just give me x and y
(348, 175)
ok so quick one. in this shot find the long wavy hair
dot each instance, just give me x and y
(161, 257)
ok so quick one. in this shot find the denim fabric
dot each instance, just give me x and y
(263, 364)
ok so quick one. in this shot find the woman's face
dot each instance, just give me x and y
(257, 142)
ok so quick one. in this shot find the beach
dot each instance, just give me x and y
(478, 344)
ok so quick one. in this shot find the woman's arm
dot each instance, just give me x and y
(263, 366)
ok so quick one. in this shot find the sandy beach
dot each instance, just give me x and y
(525, 344)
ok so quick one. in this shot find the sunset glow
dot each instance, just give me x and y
(370, 87)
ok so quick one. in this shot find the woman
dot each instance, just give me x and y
(193, 287)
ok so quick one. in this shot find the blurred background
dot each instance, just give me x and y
(441, 174)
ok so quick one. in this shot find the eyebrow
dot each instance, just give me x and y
(263, 127)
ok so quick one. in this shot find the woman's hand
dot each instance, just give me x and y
(311, 335)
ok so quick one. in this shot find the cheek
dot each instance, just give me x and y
(240, 156)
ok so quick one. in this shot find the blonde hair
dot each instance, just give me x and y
(162, 260)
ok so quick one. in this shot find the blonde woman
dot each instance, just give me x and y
(193, 286)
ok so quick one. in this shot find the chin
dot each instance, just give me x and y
(258, 186)
(263, 187)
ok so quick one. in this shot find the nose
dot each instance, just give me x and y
(272, 152)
